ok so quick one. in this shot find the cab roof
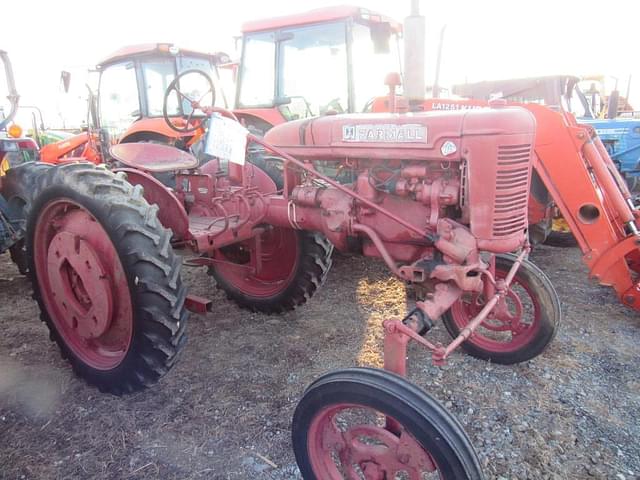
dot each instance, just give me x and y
(319, 15)
(144, 49)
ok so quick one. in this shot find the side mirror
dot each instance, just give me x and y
(381, 36)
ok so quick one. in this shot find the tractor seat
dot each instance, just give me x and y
(153, 157)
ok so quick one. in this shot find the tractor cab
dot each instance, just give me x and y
(330, 60)
(132, 85)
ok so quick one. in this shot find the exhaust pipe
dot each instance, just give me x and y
(414, 54)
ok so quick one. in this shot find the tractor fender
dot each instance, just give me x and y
(171, 213)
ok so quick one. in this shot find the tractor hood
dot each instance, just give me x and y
(404, 136)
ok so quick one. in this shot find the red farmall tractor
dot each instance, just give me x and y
(440, 198)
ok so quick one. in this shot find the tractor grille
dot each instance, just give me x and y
(512, 189)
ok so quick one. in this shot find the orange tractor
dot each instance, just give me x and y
(128, 106)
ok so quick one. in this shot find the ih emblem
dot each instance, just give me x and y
(448, 148)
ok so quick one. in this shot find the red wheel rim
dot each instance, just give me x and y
(265, 273)
(83, 284)
(364, 450)
(513, 323)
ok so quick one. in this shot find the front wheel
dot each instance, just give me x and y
(520, 327)
(372, 424)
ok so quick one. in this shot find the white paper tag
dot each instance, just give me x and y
(226, 139)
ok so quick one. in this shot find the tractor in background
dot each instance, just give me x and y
(128, 106)
(621, 138)
(330, 60)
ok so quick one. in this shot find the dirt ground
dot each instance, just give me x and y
(224, 412)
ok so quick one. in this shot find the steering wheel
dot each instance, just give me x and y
(194, 102)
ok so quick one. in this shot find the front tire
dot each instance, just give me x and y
(105, 277)
(523, 329)
(370, 421)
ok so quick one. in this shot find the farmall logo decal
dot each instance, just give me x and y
(385, 133)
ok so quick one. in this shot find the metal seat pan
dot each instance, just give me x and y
(153, 157)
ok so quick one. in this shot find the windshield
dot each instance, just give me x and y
(119, 103)
(592, 95)
(314, 67)
(257, 71)
(157, 77)
(370, 67)
(159, 73)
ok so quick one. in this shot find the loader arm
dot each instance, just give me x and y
(593, 199)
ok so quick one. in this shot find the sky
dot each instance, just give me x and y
(485, 39)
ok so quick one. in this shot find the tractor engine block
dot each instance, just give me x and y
(436, 172)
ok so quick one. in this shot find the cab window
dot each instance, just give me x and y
(119, 102)
(258, 73)
(157, 77)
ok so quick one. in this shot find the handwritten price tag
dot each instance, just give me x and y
(226, 139)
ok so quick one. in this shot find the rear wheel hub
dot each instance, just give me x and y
(83, 284)
(80, 285)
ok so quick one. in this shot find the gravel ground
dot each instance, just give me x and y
(224, 411)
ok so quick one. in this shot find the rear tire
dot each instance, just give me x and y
(95, 247)
(538, 317)
(296, 265)
(424, 434)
